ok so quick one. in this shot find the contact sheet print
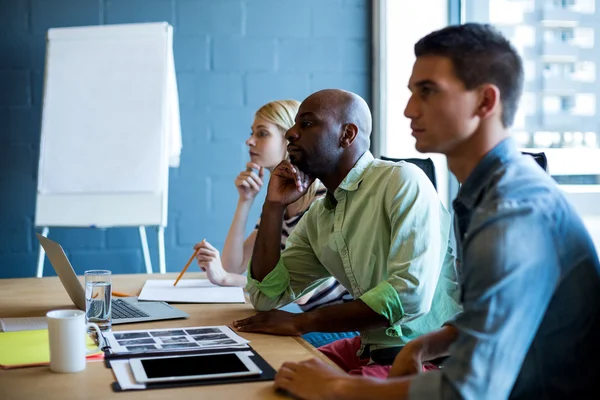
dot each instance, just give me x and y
(192, 338)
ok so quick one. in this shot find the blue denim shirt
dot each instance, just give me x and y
(530, 282)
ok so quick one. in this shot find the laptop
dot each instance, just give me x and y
(124, 310)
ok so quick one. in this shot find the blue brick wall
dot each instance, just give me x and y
(231, 56)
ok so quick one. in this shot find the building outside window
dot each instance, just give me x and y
(558, 113)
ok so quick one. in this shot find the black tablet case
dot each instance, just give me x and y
(268, 373)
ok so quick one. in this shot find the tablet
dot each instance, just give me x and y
(193, 367)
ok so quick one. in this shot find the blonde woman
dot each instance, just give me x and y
(267, 148)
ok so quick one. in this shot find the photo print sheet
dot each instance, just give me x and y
(199, 337)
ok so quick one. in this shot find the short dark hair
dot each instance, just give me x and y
(480, 54)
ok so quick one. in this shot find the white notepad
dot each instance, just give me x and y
(190, 291)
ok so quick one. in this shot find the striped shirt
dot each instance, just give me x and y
(329, 292)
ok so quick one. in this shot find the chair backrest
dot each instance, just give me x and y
(426, 164)
(540, 158)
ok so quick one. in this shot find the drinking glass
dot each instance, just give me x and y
(98, 298)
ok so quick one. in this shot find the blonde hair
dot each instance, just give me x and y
(279, 112)
(282, 113)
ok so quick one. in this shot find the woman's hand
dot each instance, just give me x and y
(209, 260)
(248, 183)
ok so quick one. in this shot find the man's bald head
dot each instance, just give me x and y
(346, 107)
(331, 133)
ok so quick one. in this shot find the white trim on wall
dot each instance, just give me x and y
(379, 22)
(397, 26)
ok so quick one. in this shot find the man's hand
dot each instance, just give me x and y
(310, 380)
(427, 347)
(408, 361)
(275, 322)
(287, 184)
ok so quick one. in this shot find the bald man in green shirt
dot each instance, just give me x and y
(381, 231)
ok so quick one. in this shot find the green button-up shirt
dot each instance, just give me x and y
(383, 234)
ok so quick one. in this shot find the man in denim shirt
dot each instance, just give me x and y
(529, 273)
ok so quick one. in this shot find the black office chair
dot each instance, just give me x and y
(540, 158)
(426, 164)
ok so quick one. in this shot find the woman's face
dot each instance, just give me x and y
(267, 144)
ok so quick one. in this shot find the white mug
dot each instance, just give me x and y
(67, 331)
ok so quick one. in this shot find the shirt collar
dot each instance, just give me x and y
(356, 174)
(351, 181)
(476, 182)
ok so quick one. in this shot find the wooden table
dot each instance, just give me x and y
(35, 296)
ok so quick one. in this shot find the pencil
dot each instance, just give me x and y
(116, 294)
(187, 265)
(121, 294)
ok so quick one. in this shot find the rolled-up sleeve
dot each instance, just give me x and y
(384, 300)
(431, 386)
(419, 238)
(298, 272)
(509, 275)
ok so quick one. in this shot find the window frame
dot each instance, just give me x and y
(381, 143)
(584, 197)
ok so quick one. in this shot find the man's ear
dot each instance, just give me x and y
(349, 134)
(489, 101)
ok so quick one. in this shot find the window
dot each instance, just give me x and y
(529, 68)
(525, 36)
(552, 104)
(526, 109)
(556, 70)
(584, 104)
(528, 104)
(398, 25)
(559, 35)
(558, 111)
(563, 123)
(566, 103)
(558, 75)
(583, 38)
(584, 71)
(561, 4)
(546, 139)
(585, 6)
(552, 70)
(508, 12)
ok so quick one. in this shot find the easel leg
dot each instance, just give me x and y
(145, 250)
(161, 249)
(42, 253)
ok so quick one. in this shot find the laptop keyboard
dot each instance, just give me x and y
(121, 310)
